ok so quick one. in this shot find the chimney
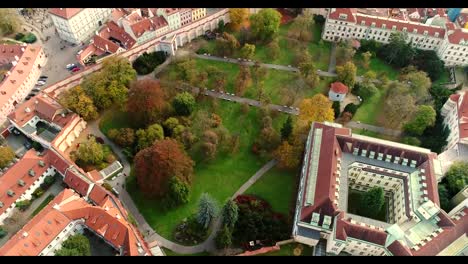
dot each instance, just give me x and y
(25, 234)
(108, 29)
(16, 58)
(22, 49)
(14, 63)
(107, 47)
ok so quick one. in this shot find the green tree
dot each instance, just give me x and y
(419, 84)
(428, 61)
(230, 213)
(179, 192)
(76, 245)
(457, 176)
(365, 89)
(265, 24)
(425, 117)
(444, 198)
(347, 74)
(273, 49)
(366, 57)
(247, 51)
(9, 22)
(414, 141)
(147, 137)
(223, 238)
(221, 26)
(90, 152)
(124, 137)
(183, 104)
(76, 100)
(207, 210)
(170, 124)
(6, 156)
(372, 201)
(398, 52)
(287, 128)
(301, 28)
(336, 108)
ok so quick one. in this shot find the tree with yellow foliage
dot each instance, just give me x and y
(238, 16)
(287, 156)
(317, 108)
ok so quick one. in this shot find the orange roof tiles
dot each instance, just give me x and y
(339, 87)
(66, 13)
(98, 194)
(458, 35)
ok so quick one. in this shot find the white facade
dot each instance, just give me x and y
(453, 54)
(173, 19)
(450, 113)
(81, 26)
(336, 96)
(72, 228)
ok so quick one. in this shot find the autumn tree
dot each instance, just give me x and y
(124, 137)
(247, 51)
(424, 117)
(268, 138)
(210, 144)
(273, 49)
(399, 105)
(207, 210)
(146, 102)
(309, 73)
(301, 28)
(76, 100)
(318, 108)
(227, 45)
(238, 16)
(286, 156)
(90, 152)
(184, 104)
(10, 21)
(155, 165)
(366, 57)
(147, 137)
(265, 24)
(344, 53)
(419, 84)
(243, 79)
(258, 73)
(6, 156)
(109, 86)
(169, 125)
(186, 68)
(347, 74)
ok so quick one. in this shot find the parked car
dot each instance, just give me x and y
(16, 132)
(76, 69)
(43, 77)
(115, 191)
(70, 66)
(27, 145)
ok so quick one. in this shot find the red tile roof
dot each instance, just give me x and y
(345, 11)
(105, 44)
(140, 27)
(458, 35)
(339, 87)
(98, 194)
(75, 182)
(66, 13)
(159, 22)
(346, 229)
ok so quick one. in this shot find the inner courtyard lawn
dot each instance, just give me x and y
(221, 178)
(277, 188)
(370, 109)
(354, 203)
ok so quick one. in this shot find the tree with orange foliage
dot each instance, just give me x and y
(237, 17)
(146, 100)
(156, 165)
(318, 108)
(286, 155)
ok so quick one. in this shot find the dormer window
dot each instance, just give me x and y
(41, 163)
(32, 173)
(343, 16)
(363, 23)
(10, 193)
(436, 34)
(21, 183)
(1, 205)
(415, 31)
(425, 32)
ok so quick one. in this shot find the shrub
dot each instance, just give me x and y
(202, 50)
(2, 232)
(19, 36)
(23, 205)
(147, 62)
(38, 193)
(190, 231)
(351, 108)
(29, 38)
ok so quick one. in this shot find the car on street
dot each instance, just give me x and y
(70, 66)
(16, 132)
(43, 77)
(115, 191)
(75, 69)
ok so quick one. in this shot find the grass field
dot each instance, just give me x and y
(114, 119)
(43, 204)
(376, 65)
(220, 178)
(354, 202)
(370, 109)
(277, 188)
(288, 250)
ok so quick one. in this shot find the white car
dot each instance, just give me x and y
(69, 66)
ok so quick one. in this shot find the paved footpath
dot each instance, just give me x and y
(381, 130)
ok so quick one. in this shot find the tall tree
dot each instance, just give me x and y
(398, 52)
(425, 117)
(247, 51)
(146, 102)
(273, 49)
(287, 128)
(9, 22)
(301, 28)
(6, 156)
(124, 137)
(336, 108)
(178, 194)
(419, 84)
(230, 213)
(428, 61)
(398, 109)
(90, 152)
(265, 24)
(286, 156)
(238, 16)
(155, 165)
(457, 176)
(243, 79)
(372, 202)
(210, 144)
(317, 108)
(366, 57)
(147, 137)
(207, 210)
(184, 104)
(347, 74)
(344, 52)
(444, 197)
(223, 238)
(76, 245)
(76, 100)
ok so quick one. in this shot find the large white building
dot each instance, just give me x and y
(338, 163)
(23, 67)
(451, 44)
(76, 25)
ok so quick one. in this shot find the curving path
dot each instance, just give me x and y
(153, 238)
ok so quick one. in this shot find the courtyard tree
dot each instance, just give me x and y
(428, 61)
(424, 117)
(372, 201)
(146, 102)
(247, 51)
(457, 176)
(10, 22)
(398, 52)
(6, 156)
(184, 104)
(207, 210)
(75, 245)
(444, 197)
(399, 108)
(230, 213)
(265, 24)
(347, 74)
(237, 17)
(419, 84)
(90, 152)
(76, 100)
(146, 137)
(157, 164)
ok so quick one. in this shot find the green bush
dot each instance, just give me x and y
(23, 205)
(29, 38)
(352, 108)
(38, 193)
(2, 232)
(19, 36)
(147, 62)
(202, 50)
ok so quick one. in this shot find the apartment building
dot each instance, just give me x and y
(22, 64)
(198, 13)
(185, 16)
(76, 25)
(172, 16)
(449, 43)
(338, 162)
(455, 113)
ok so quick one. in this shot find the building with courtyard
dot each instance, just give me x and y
(338, 165)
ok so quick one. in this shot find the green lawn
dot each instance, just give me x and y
(444, 78)
(172, 253)
(354, 202)
(221, 178)
(370, 109)
(277, 188)
(376, 65)
(288, 250)
(43, 204)
(114, 119)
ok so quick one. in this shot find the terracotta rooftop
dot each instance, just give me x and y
(339, 87)
(350, 17)
(458, 35)
(66, 13)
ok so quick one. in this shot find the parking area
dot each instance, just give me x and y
(16, 142)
